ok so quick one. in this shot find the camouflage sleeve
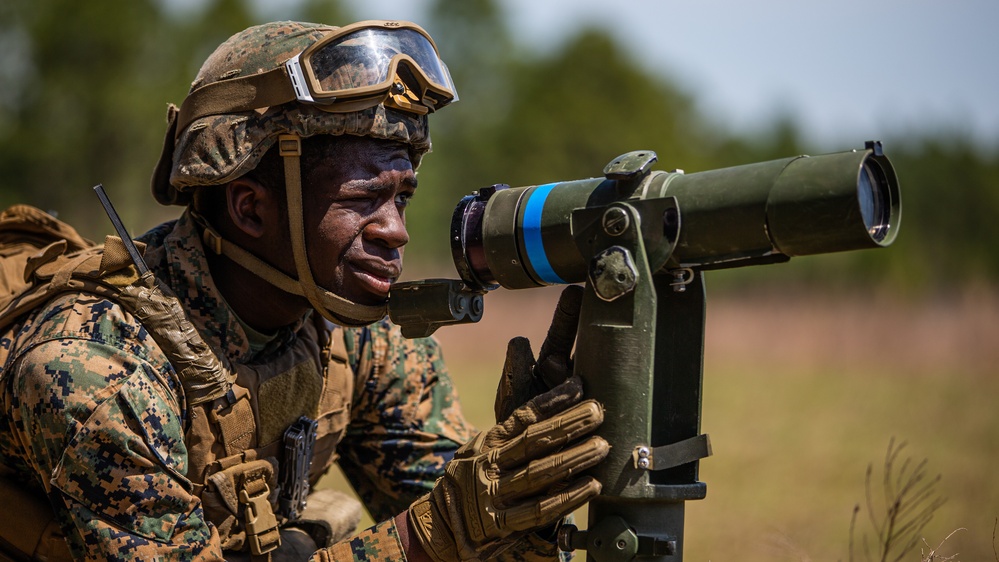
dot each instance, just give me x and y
(532, 548)
(406, 421)
(102, 428)
(379, 542)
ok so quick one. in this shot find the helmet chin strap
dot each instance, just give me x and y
(331, 306)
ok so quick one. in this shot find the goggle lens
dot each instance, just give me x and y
(367, 57)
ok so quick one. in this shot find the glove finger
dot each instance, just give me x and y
(543, 473)
(540, 407)
(544, 437)
(517, 384)
(558, 399)
(554, 360)
(532, 515)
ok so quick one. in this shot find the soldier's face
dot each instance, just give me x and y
(355, 218)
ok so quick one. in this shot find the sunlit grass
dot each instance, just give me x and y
(791, 449)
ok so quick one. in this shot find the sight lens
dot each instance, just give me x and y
(874, 197)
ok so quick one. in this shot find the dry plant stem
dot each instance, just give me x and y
(853, 526)
(909, 503)
(994, 552)
(931, 556)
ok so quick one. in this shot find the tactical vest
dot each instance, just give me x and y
(237, 415)
(235, 443)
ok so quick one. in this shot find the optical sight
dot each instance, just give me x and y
(745, 215)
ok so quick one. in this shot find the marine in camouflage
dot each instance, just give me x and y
(95, 416)
(96, 420)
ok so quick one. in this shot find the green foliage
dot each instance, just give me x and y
(85, 103)
(951, 199)
(61, 127)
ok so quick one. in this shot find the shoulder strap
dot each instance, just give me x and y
(205, 373)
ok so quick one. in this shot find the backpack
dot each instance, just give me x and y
(43, 257)
(30, 238)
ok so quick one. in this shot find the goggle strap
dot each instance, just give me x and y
(331, 306)
(247, 93)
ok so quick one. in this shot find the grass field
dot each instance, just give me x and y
(800, 395)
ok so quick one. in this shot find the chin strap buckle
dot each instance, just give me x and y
(290, 145)
(209, 236)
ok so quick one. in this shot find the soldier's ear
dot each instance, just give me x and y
(252, 208)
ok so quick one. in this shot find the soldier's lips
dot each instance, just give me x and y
(376, 280)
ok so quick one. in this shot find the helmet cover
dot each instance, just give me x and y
(216, 149)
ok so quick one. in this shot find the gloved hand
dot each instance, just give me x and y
(519, 476)
(524, 378)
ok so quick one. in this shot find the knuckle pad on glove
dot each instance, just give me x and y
(519, 476)
(566, 501)
(542, 474)
(531, 515)
(548, 435)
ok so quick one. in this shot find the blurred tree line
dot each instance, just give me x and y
(85, 86)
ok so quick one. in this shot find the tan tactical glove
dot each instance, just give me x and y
(517, 477)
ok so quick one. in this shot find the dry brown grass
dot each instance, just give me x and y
(803, 331)
(800, 393)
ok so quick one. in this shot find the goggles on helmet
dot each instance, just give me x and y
(366, 61)
(353, 68)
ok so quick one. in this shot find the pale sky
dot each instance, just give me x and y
(846, 70)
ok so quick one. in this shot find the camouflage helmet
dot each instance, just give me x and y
(219, 148)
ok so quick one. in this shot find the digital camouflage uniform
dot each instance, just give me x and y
(94, 415)
(96, 418)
